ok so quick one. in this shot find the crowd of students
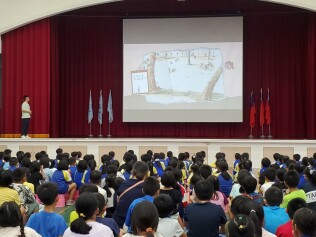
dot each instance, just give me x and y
(158, 195)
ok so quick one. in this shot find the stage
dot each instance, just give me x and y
(257, 148)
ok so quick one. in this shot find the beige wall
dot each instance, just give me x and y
(119, 151)
(33, 150)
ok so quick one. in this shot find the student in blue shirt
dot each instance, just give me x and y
(72, 166)
(47, 223)
(13, 162)
(81, 175)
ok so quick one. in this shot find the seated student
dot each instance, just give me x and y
(37, 174)
(81, 174)
(72, 166)
(113, 184)
(241, 226)
(274, 215)
(249, 185)
(168, 181)
(236, 162)
(6, 158)
(296, 158)
(286, 229)
(109, 222)
(224, 178)
(151, 189)
(279, 183)
(292, 179)
(64, 182)
(95, 178)
(159, 166)
(45, 162)
(86, 224)
(300, 170)
(145, 220)
(130, 190)
(27, 198)
(218, 197)
(265, 163)
(152, 170)
(204, 218)
(167, 226)
(11, 222)
(205, 171)
(236, 186)
(127, 171)
(310, 187)
(46, 222)
(269, 176)
(304, 223)
(14, 163)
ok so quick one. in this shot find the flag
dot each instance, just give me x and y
(261, 111)
(267, 108)
(252, 111)
(110, 110)
(100, 113)
(90, 111)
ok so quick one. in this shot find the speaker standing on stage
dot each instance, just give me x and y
(26, 116)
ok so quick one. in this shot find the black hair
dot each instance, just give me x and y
(10, 216)
(59, 151)
(111, 169)
(265, 162)
(128, 166)
(112, 154)
(106, 159)
(101, 201)
(304, 219)
(164, 205)
(65, 155)
(6, 178)
(86, 205)
(140, 170)
(145, 217)
(169, 154)
(223, 167)
(280, 173)
(128, 157)
(177, 174)
(237, 156)
(214, 180)
(52, 163)
(114, 182)
(47, 193)
(116, 163)
(296, 157)
(62, 165)
(150, 152)
(181, 156)
(145, 157)
(173, 162)
(249, 184)
(205, 171)
(273, 196)
(168, 180)
(241, 226)
(13, 161)
(20, 156)
(18, 174)
(276, 156)
(242, 174)
(151, 186)
(95, 176)
(7, 151)
(204, 190)
(294, 205)
(45, 162)
(310, 173)
(246, 164)
(306, 162)
(88, 188)
(245, 156)
(299, 168)
(82, 166)
(92, 164)
(270, 174)
(195, 178)
(220, 156)
(291, 179)
(72, 160)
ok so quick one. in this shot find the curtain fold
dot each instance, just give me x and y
(26, 71)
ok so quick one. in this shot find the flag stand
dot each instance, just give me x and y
(90, 135)
(100, 135)
(250, 136)
(262, 136)
(270, 136)
(109, 134)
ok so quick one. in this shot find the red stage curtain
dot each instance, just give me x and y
(26, 70)
(87, 54)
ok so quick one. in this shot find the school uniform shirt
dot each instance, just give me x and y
(47, 224)
(285, 230)
(204, 219)
(9, 195)
(16, 231)
(274, 217)
(81, 178)
(98, 229)
(62, 178)
(176, 197)
(48, 174)
(109, 222)
(235, 190)
(265, 187)
(295, 194)
(302, 181)
(169, 227)
(72, 169)
(225, 186)
(310, 190)
(131, 235)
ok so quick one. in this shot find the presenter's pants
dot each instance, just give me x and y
(25, 126)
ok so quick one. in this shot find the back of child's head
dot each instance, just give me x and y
(13, 161)
(95, 177)
(270, 174)
(91, 188)
(173, 162)
(92, 164)
(291, 179)
(195, 178)
(18, 174)
(128, 166)
(111, 169)
(181, 156)
(205, 171)
(168, 180)
(145, 218)
(223, 168)
(296, 157)
(145, 157)
(151, 186)
(246, 164)
(242, 174)
(140, 170)
(45, 162)
(241, 226)
(101, 201)
(169, 154)
(47, 193)
(274, 196)
(304, 222)
(204, 190)
(237, 156)
(86, 206)
(82, 166)
(162, 155)
(265, 162)
(106, 159)
(276, 156)
(310, 173)
(164, 205)
(72, 160)
(245, 156)
(10, 216)
(6, 178)
(249, 184)
(150, 152)
(280, 173)
(63, 165)
(128, 157)
(214, 180)
(177, 174)
(59, 151)
(65, 155)
(114, 182)
(294, 205)
(112, 154)
(299, 168)
(240, 205)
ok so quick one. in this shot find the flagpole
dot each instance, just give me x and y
(100, 134)
(90, 135)
(262, 136)
(270, 136)
(109, 134)
(250, 136)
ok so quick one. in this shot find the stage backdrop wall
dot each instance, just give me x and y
(69, 55)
